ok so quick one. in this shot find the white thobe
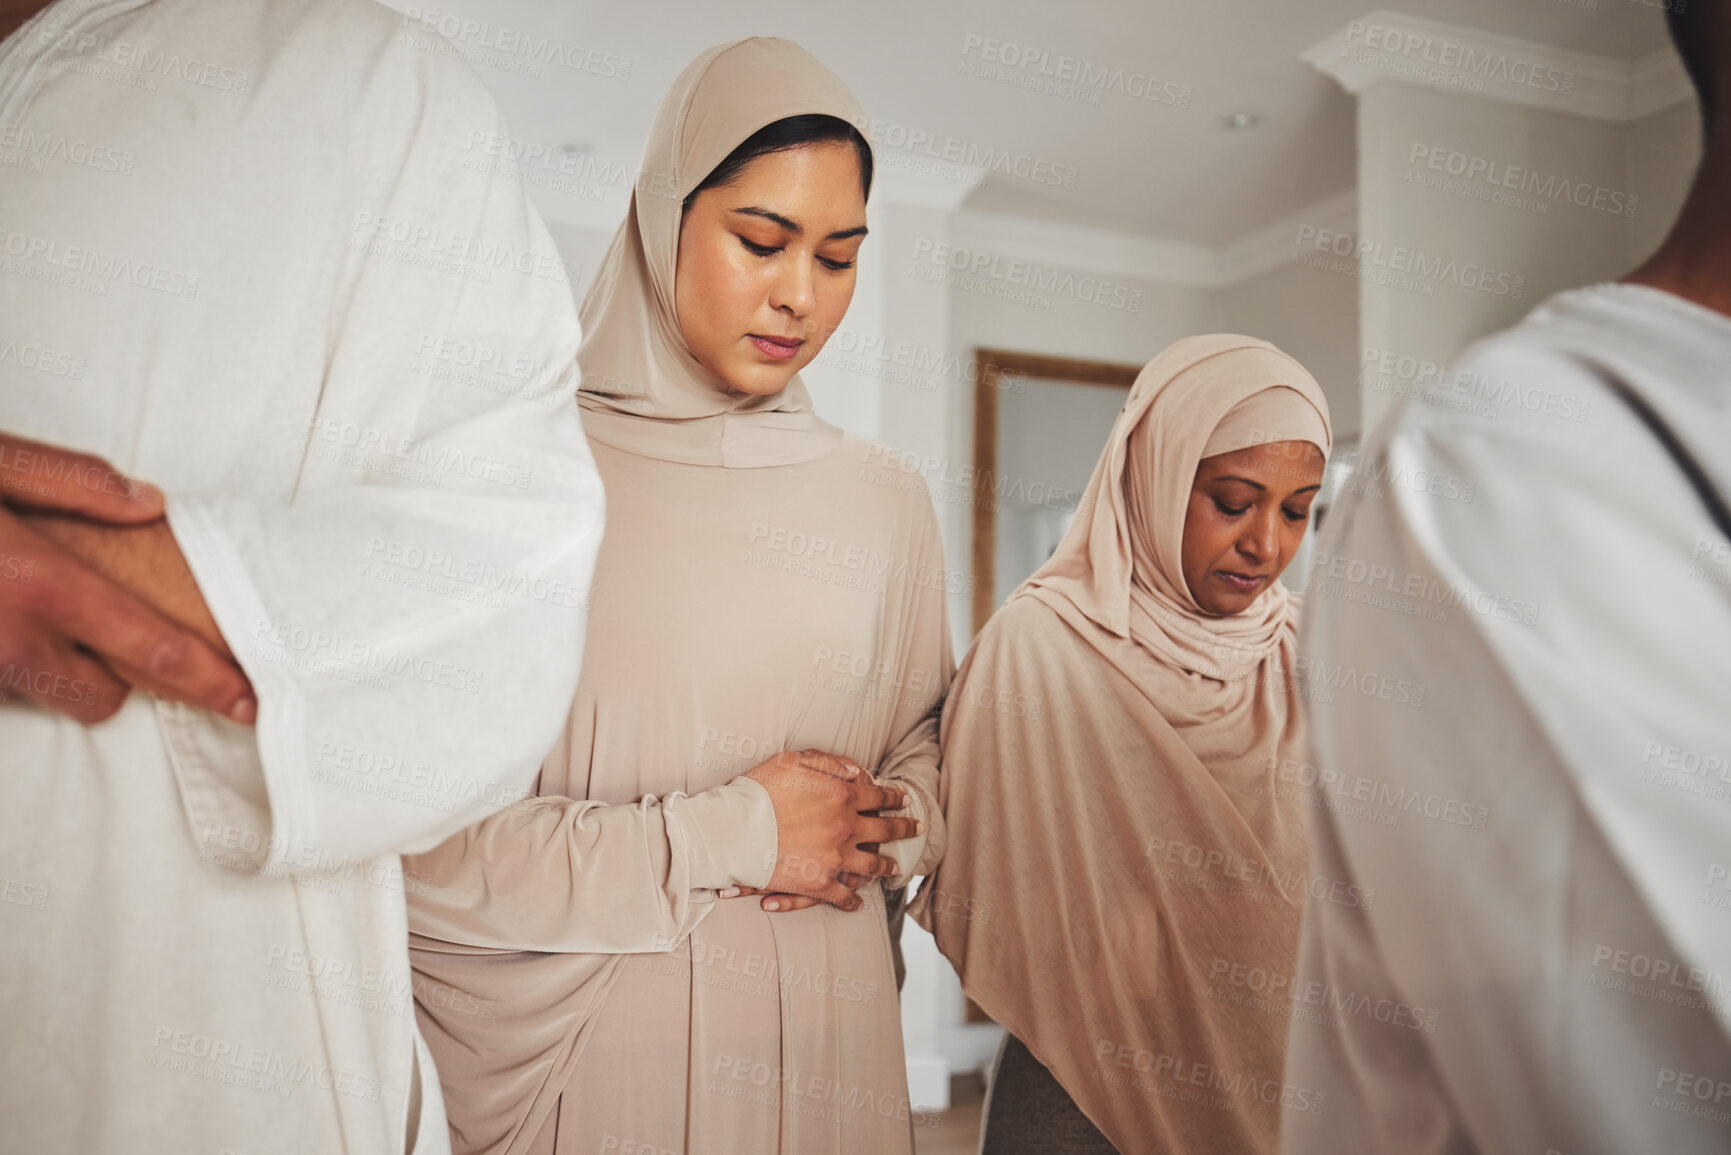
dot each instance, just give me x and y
(1519, 660)
(247, 252)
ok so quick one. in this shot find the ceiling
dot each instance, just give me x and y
(1150, 167)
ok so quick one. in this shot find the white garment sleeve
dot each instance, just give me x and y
(412, 617)
(1517, 849)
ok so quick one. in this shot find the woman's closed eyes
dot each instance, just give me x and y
(758, 250)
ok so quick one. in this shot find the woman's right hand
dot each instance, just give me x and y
(823, 806)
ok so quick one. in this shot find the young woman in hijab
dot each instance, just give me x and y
(586, 982)
(1119, 845)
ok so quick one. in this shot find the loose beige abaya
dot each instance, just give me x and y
(1120, 853)
(765, 584)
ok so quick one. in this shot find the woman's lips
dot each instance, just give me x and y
(1238, 582)
(779, 348)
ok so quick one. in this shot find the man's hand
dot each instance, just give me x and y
(72, 635)
(824, 824)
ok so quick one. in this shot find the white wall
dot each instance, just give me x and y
(1467, 255)
(1313, 315)
(1661, 154)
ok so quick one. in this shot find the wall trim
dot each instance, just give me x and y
(1109, 254)
(1384, 47)
(1068, 246)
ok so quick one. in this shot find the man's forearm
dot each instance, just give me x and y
(145, 560)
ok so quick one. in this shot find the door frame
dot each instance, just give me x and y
(995, 366)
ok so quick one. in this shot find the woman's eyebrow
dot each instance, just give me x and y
(1256, 485)
(797, 229)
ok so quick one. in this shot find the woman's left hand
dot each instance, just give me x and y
(779, 903)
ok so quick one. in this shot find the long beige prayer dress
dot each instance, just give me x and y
(1120, 855)
(765, 584)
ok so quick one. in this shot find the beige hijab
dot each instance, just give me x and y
(643, 390)
(1201, 397)
(578, 981)
(1118, 842)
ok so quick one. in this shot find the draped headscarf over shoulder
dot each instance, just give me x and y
(1116, 769)
(643, 390)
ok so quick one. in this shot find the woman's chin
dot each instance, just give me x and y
(757, 380)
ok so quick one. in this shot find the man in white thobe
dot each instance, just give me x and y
(246, 252)
(1540, 802)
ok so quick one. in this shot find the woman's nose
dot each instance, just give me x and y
(792, 288)
(1260, 538)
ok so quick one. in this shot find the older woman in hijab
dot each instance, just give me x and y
(592, 980)
(1120, 852)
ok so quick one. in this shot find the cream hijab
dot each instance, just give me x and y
(643, 390)
(1120, 563)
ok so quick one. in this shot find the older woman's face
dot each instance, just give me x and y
(1247, 515)
(767, 265)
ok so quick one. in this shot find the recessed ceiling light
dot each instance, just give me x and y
(1242, 120)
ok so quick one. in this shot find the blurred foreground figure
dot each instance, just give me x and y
(244, 259)
(1546, 966)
